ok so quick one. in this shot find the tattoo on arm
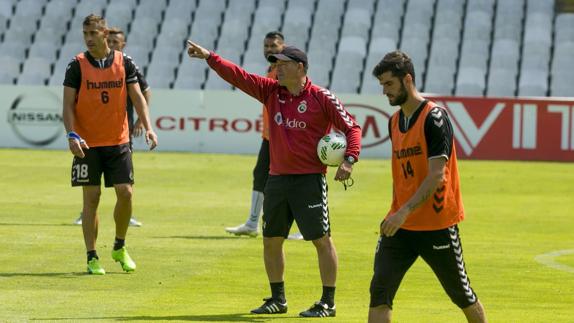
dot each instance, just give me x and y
(416, 204)
(427, 187)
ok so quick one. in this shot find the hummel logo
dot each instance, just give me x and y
(314, 205)
(446, 246)
(436, 113)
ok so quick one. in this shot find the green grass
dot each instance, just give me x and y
(567, 260)
(190, 270)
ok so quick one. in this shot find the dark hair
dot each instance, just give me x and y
(116, 31)
(275, 34)
(398, 63)
(95, 19)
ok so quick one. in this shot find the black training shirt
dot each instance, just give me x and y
(73, 77)
(438, 130)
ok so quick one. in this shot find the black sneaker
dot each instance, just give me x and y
(271, 306)
(319, 309)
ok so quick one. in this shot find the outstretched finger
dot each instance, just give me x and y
(192, 44)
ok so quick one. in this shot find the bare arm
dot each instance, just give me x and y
(142, 110)
(138, 126)
(253, 85)
(69, 117)
(147, 96)
(434, 177)
(68, 108)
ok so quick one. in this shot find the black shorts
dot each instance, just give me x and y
(302, 198)
(261, 170)
(114, 161)
(441, 250)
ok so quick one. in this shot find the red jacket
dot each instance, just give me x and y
(296, 123)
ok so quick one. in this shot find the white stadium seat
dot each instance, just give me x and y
(502, 41)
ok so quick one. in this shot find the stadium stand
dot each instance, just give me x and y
(459, 47)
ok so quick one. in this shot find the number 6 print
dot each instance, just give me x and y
(105, 97)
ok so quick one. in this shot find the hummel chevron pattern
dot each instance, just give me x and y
(436, 113)
(325, 205)
(346, 117)
(438, 199)
(436, 208)
(455, 242)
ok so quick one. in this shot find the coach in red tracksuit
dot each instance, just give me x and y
(300, 113)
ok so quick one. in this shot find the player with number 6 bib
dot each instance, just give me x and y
(96, 87)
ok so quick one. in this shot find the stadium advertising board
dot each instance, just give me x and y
(31, 117)
(230, 122)
(512, 129)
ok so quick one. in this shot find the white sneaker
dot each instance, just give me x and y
(295, 236)
(243, 230)
(134, 222)
(78, 221)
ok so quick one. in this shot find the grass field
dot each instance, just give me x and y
(190, 270)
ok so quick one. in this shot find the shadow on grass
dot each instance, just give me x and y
(62, 275)
(200, 237)
(239, 317)
(41, 224)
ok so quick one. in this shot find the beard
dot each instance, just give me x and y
(401, 97)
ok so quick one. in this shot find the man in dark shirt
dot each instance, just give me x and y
(96, 87)
(426, 204)
(300, 113)
(117, 41)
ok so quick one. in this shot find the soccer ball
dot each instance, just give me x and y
(331, 149)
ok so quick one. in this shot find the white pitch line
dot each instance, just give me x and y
(548, 259)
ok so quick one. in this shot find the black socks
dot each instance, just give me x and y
(92, 254)
(119, 243)
(328, 296)
(278, 291)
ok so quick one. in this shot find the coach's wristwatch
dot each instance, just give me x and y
(350, 159)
